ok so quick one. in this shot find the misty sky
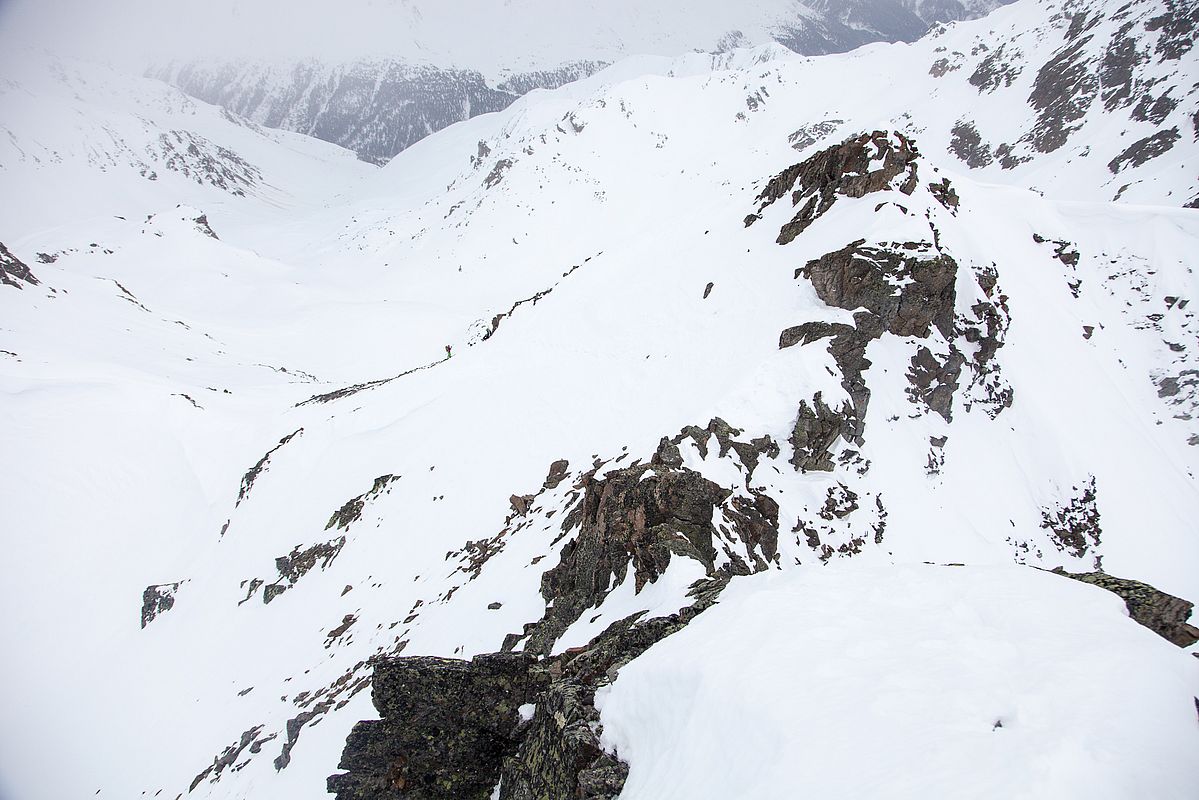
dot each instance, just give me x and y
(489, 33)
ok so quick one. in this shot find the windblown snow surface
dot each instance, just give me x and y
(238, 463)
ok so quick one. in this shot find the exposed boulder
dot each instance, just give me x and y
(933, 380)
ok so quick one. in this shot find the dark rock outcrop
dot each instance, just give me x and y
(158, 599)
(446, 727)
(945, 194)
(638, 518)
(817, 428)
(967, 144)
(857, 276)
(1177, 24)
(247, 481)
(998, 68)
(450, 729)
(13, 271)
(871, 162)
(1074, 525)
(298, 563)
(933, 381)
(351, 511)
(1142, 150)
(1063, 90)
(1164, 614)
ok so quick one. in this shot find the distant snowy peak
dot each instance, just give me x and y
(375, 108)
(1093, 77)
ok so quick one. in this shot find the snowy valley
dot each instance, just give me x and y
(814, 425)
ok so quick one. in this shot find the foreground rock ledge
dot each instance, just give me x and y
(452, 729)
(446, 727)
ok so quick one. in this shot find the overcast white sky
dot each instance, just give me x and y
(479, 33)
(138, 29)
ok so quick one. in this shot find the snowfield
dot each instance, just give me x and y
(238, 464)
(907, 681)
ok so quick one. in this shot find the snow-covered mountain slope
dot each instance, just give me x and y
(432, 71)
(375, 108)
(710, 317)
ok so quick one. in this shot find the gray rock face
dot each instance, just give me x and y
(967, 144)
(253, 473)
(13, 271)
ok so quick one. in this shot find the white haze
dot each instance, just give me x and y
(466, 33)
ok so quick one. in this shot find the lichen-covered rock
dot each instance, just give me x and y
(450, 728)
(1164, 614)
(870, 162)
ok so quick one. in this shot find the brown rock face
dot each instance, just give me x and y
(867, 163)
(857, 276)
(638, 516)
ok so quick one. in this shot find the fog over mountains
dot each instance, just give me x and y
(414, 401)
(437, 70)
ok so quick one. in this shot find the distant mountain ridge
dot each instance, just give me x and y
(379, 106)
